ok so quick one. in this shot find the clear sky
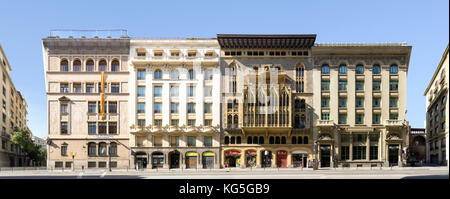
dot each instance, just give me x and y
(422, 24)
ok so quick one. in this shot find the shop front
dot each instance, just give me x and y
(157, 160)
(281, 159)
(299, 159)
(191, 160)
(174, 158)
(232, 158)
(266, 159)
(250, 156)
(141, 160)
(208, 160)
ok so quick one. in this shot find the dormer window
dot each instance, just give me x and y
(192, 53)
(174, 52)
(209, 54)
(158, 52)
(141, 52)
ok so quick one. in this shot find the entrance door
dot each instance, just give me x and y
(281, 159)
(191, 162)
(174, 160)
(325, 155)
(266, 159)
(393, 155)
(208, 162)
(157, 160)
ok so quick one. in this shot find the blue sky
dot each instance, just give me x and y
(422, 24)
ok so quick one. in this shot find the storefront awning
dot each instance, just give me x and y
(191, 154)
(299, 152)
(208, 154)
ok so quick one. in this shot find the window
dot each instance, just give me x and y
(208, 74)
(112, 128)
(174, 122)
(92, 128)
(342, 85)
(68, 164)
(359, 153)
(141, 74)
(64, 88)
(102, 149)
(174, 91)
(208, 91)
(91, 107)
(157, 74)
(92, 164)
(208, 122)
(374, 137)
(393, 85)
(191, 107)
(207, 107)
(113, 148)
(174, 107)
(90, 65)
(359, 86)
(158, 107)
(345, 153)
(77, 87)
(393, 116)
(191, 74)
(325, 69)
(102, 66)
(141, 107)
(92, 149)
(174, 140)
(115, 66)
(102, 128)
(342, 119)
(444, 99)
(376, 69)
(141, 91)
(376, 118)
(63, 150)
(89, 88)
(343, 69)
(325, 116)
(443, 126)
(112, 107)
(373, 153)
(191, 123)
(63, 108)
(325, 102)
(64, 128)
(359, 118)
(191, 91)
(158, 91)
(207, 141)
(64, 66)
(58, 164)
(393, 102)
(376, 102)
(359, 102)
(376, 85)
(345, 138)
(342, 103)
(359, 69)
(105, 87)
(191, 141)
(175, 74)
(115, 87)
(325, 85)
(394, 69)
(77, 65)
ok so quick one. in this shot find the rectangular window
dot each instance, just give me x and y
(63, 150)
(158, 107)
(112, 107)
(342, 85)
(77, 87)
(359, 118)
(376, 102)
(91, 107)
(393, 85)
(158, 91)
(174, 140)
(376, 118)
(64, 128)
(141, 123)
(174, 91)
(141, 107)
(115, 88)
(373, 153)
(359, 153)
(191, 123)
(90, 88)
(191, 141)
(102, 128)
(345, 153)
(393, 116)
(191, 91)
(359, 86)
(141, 91)
(64, 88)
(208, 122)
(359, 102)
(325, 116)
(207, 141)
(374, 137)
(105, 87)
(101, 164)
(393, 102)
(112, 128)
(58, 164)
(141, 74)
(174, 107)
(113, 164)
(158, 123)
(68, 164)
(208, 91)
(345, 138)
(63, 108)
(325, 85)
(92, 164)
(191, 107)
(207, 107)
(342, 118)
(174, 122)
(376, 85)
(325, 102)
(342, 102)
(92, 128)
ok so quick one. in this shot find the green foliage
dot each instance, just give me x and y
(22, 138)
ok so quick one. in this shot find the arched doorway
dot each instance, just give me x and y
(266, 159)
(393, 154)
(174, 158)
(191, 160)
(325, 152)
(299, 158)
(157, 160)
(281, 159)
(232, 158)
(141, 160)
(208, 160)
(250, 156)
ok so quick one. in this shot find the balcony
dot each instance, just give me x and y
(394, 123)
(173, 59)
(6, 135)
(325, 123)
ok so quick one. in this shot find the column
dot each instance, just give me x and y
(243, 160)
(274, 159)
(258, 158)
(289, 160)
(351, 147)
(368, 146)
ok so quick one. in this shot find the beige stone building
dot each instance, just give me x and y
(437, 120)
(14, 114)
(85, 131)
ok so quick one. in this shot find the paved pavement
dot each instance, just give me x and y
(272, 173)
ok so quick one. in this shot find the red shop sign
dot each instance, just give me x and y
(282, 152)
(232, 153)
(251, 152)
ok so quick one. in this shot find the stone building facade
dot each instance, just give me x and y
(84, 130)
(437, 121)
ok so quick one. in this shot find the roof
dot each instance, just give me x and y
(437, 70)
(266, 41)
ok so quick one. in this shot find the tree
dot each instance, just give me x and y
(22, 138)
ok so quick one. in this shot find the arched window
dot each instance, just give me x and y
(227, 140)
(294, 140)
(302, 104)
(283, 140)
(299, 83)
(191, 74)
(235, 104)
(115, 65)
(255, 140)
(343, 69)
(229, 121)
(271, 140)
(236, 121)
(305, 140)
(394, 69)
(249, 140)
(238, 140)
(102, 65)
(261, 140)
(175, 74)
(300, 71)
(233, 140)
(64, 65)
(376, 69)
(92, 149)
(102, 149)
(299, 140)
(90, 65)
(77, 65)
(277, 140)
(325, 69)
(157, 74)
(113, 148)
(359, 69)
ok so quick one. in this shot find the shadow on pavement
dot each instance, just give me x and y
(427, 177)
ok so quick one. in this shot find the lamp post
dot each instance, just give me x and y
(109, 157)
